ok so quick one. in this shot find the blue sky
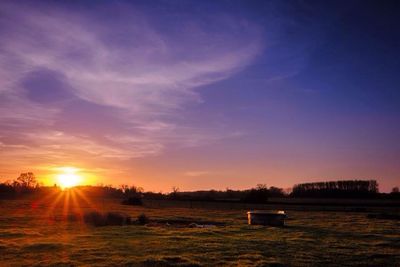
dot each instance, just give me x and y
(201, 94)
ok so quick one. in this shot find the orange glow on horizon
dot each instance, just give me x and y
(68, 177)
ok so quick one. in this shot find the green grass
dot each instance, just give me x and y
(33, 235)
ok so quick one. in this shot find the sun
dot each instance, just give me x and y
(68, 178)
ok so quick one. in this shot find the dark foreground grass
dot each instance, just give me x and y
(34, 233)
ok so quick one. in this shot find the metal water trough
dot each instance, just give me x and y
(266, 217)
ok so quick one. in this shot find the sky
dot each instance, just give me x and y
(201, 94)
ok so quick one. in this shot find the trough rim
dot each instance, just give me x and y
(267, 212)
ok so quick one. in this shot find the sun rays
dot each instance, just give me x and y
(70, 203)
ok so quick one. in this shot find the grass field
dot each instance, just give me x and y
(33, 232)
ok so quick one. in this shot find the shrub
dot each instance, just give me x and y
(103, 219)
(73, 217)
(113, 218)
(94, 218)
(128, 220)
(134, 201)
(143, 219)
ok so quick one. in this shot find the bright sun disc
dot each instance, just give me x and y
(68, 179)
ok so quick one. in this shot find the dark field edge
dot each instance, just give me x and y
(297, 206)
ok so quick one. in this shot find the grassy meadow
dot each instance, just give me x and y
(35, 232)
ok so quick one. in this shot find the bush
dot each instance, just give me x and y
(73, 217)
(143, 219)
(94, 218)
(128, 220)
(110, 218)
(134, 201)
(113, 218)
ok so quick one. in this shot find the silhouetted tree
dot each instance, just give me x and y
(27, 180)
(124, 187)
(276, 192)
(334, 189)
(174, 193)
(133, 195)
(256, 195)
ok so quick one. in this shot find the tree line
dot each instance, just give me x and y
(27, 184)
(337, 189)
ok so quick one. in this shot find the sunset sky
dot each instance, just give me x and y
(200, 94)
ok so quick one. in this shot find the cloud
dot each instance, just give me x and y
(196, 173)
(84, 82)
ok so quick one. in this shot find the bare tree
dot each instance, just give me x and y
(175, 190)
(27, 179)
(124, 187)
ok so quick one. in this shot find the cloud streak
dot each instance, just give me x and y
(83, 82)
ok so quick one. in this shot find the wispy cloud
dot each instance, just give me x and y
(196, 173)
(79, 83)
